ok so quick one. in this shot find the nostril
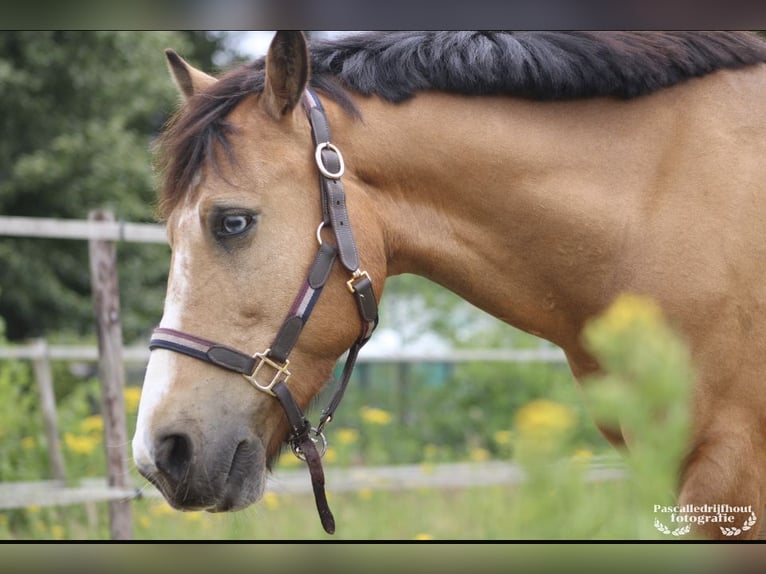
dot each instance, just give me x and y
(173, 455)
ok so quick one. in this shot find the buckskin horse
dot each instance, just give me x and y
(537, 175)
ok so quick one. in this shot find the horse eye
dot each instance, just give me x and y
(235, 224)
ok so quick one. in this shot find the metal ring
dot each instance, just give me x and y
(320, 164)
(319, 233)
(318, 439)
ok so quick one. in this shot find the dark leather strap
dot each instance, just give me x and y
(299, 312)
(314, 462)
(333, 196)
(209, 351)
(299, 426)
(301, 440)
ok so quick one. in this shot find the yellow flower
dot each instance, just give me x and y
(271, 500)
(94, 423)
(28, 442)
(347, 435)
(582, 455)
(131, 395)
(630, 310)
(375, 416)
(81, 444)
(330, 455)
(57, 532)
(161, 508)
(33, 508)
(364, 493)
(543, 417)
(144, 521)
(423, 536)
(192, 516)
(479, 454)
(289, 460)
(503, 437)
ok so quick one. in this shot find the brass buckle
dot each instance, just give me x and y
(357, 275)
(281, 372)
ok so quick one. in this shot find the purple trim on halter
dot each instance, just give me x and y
(304, 302)
(310, 99)
(180, 338)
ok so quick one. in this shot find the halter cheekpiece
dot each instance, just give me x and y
(268, 371)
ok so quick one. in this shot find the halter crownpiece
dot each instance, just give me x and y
(268, 371)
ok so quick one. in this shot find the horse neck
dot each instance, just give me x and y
(516, 206)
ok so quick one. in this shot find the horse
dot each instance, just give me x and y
(536, 175)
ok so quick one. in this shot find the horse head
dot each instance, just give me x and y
(244, 221)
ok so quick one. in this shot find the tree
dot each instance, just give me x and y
(80, 110)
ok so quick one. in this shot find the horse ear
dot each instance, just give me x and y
(189, 79)
(287, 72)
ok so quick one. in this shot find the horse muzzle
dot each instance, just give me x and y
(227, 474)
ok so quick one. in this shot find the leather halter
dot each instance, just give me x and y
(274, 360)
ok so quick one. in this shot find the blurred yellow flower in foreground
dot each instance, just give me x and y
(81, 444)
(629, 311)
(375, 416)
(543, 417)
(131, 395)
(93, 423)
(28, 442)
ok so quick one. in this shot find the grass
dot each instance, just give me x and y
(486, 513)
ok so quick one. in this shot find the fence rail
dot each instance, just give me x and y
(399, 477)
(82, 229)
(138, 354)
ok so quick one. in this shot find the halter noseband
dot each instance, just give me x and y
(268, 371)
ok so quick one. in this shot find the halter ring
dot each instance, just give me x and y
(320, 162)
(318, 439)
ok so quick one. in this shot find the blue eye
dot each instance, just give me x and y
(231, 225)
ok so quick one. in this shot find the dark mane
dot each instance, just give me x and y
(394, 66)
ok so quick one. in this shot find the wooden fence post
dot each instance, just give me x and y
(42, 368)
(106, 302)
